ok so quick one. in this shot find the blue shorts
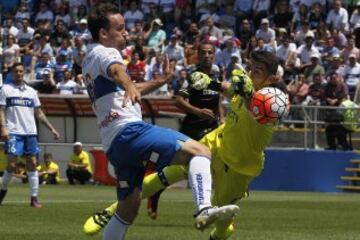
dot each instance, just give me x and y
(134, 145)
(22, 145)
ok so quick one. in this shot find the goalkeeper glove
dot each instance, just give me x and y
(199, 80)
(241, 83)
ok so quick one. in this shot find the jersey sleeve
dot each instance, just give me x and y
(108, 57)
(2, 97)
(36, 100)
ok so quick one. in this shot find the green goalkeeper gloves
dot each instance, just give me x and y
(199, 80)
(241, 83)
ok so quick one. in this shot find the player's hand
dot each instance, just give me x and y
(205, 113)
(241, 83)
(132, 95)
(4, 134)
(56, 134)
(167, 69)
(199, 80)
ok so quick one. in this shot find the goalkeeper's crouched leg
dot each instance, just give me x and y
(151, 185)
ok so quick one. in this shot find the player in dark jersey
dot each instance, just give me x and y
(203, 108)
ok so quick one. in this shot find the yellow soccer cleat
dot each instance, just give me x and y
(97, 222)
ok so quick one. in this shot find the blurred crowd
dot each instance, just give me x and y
(316, 41)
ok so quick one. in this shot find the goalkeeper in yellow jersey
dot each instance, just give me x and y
(237, 146)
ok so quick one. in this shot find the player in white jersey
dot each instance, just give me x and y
(19, 104)
(127, 140)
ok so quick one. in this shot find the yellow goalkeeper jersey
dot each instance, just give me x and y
(52, 166)
(241, 140)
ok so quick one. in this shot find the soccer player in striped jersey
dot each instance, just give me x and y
(127, 140)
(19, 104)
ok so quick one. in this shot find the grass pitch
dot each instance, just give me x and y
(264, 215)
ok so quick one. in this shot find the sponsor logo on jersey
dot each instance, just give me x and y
(109, 118)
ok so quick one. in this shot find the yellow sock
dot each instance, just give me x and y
(112, 208)
(222, 231)
(153, 184)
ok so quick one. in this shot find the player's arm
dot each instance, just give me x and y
(4, 129)
(40, 115)
(181, 101)
(118, 73)
(149, 86)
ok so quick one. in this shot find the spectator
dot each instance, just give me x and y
(21, 14)
(335, 92)
(67, 86)
(233, 64)
(59, 35)
(317, 16)
(337, 66)
(136, 32)
(243, 10)
(302, 33)
(47, 85)
(83, 31)
(316, 95)
(133, 15)
(338, 17)
(227, 53)
(266, 33)
(136, 68)
(79, 167)
(78, 51)
(307, 49)
(62, 64)
(175, 51)
(167, 7)
(211, 30)
(282, 17)
(43, 62)
(298, 89)
(339, 37)
(352, 75)
(260, 10)
(245, 33)
(156, 36)
(80, 85)
(49, 172)
(262, 46)
(301, 15)
(9, 29)
(63, 14)
(328, 51)
(211, 13)
(11, 54)
(44, 17)
(350, 49)
(228, 20)
(180, 82)
(284, 50)
(186, 18)
(313, 68)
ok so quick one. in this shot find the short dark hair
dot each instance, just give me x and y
(48, 155)
(266, 58)
(99, 18)
(206, 42)
(17, 64)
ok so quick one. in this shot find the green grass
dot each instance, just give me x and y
(264, 216)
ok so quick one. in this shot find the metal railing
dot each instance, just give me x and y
(311, 120)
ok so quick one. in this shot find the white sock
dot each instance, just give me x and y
(200, 181)
(6, 180)
(115, 229)
(34, 182)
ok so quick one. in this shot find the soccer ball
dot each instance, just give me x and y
(269, 105)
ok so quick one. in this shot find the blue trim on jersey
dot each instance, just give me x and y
(22, 102)
(104, 86)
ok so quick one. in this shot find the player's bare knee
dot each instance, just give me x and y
(200, 149)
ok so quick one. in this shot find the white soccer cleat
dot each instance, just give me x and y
(208, 216)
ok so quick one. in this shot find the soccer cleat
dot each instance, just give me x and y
(97, 222)
(152, 204)
(35, 203)
(2, 195)
(209, 215)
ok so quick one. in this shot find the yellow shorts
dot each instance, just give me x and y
(228, 186)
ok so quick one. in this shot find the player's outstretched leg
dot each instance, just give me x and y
(151, 184)
(153, 203)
